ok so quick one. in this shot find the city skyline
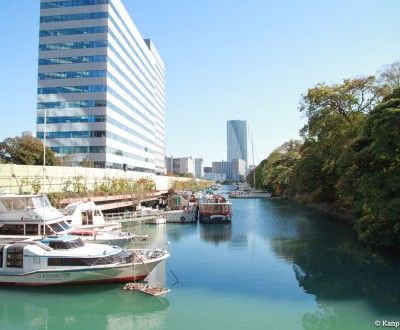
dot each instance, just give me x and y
(224, 60)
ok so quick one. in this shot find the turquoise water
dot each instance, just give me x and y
(279, 265)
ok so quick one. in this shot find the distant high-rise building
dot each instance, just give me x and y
(27, 133)
(182, 165)
(100, 86)
(198, 168)
(236, 140)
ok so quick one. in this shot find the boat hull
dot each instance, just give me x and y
(83, 275)
(180, 216)
(215, 218)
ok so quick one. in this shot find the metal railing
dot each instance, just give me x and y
(132, 216)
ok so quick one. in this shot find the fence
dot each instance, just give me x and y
(30, 179)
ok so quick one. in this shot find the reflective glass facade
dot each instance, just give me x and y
(100, 86)
(236, 140)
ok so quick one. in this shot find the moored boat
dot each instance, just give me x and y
(69, 260)
(254, 193)
(245, 191)
(215, 209)
(87, 215)
(30, 215)
(182, 208)
(106, 237)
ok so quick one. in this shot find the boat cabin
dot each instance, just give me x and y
(86, 214)
(30, 215)
(13, 253)
(15, 203)
(24, 255)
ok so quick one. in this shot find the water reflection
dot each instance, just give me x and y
(179, 231)
(216, 233)
(104, 306)
(332, 265)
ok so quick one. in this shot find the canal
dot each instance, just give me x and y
(279, 265)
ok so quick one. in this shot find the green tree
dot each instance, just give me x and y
(140, 189)
(335, 114)
(26, 150)
(371, 173)
(389, 76)
(86, 162)
(69, 159)
(279, 166)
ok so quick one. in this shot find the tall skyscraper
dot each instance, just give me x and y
(236, 140)
(100, 86)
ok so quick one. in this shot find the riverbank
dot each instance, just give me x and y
(329, 209)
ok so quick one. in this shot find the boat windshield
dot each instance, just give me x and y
(59, 226)
(66, 245)
(71, 209)
(37, 202)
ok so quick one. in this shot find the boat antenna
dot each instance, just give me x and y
(254, 168)
(44, 167)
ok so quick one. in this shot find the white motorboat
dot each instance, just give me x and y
(68, 260)
(30, 215)
(87, 215)
(246, 191)
(254, 193)
(106, 237)
(88, 222)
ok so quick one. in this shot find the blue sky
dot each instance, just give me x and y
(225, 60)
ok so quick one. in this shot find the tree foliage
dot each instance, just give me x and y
(334, 114)
(278, 168)
(389, 76)
(140, 189)
(26, 150)
(350, 158)
(371, 174)
(86, 162)
(69, 159)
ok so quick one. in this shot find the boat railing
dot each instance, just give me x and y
(129, 216)
(146, 245)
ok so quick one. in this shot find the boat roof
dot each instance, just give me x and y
(17, 195)
(13, 239)
(64, 238)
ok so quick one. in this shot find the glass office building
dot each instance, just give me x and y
(236, 140)
(100, 86)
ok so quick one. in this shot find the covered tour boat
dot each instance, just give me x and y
(215, 209)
